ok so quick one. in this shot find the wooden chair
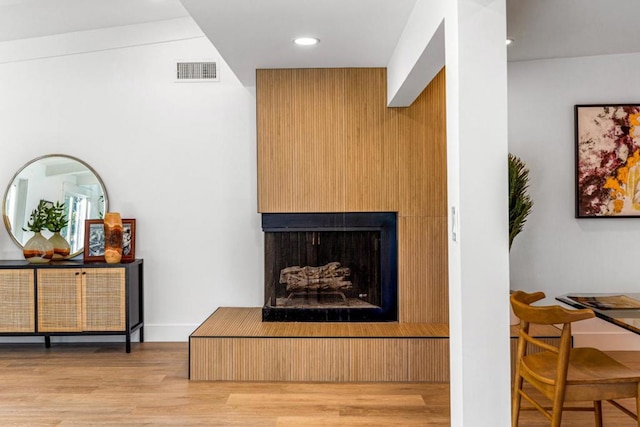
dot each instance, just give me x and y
(563, 374)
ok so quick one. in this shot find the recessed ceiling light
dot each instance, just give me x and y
(509, 41)
(306, 41)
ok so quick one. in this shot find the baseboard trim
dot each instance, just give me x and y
(169, 332)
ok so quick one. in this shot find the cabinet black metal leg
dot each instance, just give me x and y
(141, 333)
(128, 343)
(47, 341)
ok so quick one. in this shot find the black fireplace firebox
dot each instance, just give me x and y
(331, 267)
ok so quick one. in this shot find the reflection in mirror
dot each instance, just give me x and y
(55, 178)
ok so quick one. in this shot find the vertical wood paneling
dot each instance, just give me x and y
(235, 345)
(423, 277)
(429, 363)
(302, 152)
(319, 359)
(328, 143)
(423, 157)
(326, 134)
(371, 133)
(275, 154)
(319, 143)
(368, 365)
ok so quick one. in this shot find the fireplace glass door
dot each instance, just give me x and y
(327, 274)
(329, 269)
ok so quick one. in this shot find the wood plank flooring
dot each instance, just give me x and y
(85, 385)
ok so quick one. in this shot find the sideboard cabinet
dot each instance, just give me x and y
(71, 298)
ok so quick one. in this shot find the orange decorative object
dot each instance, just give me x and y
(112, 237)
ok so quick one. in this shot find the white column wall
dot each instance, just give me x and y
(475, 55)
(477, 178)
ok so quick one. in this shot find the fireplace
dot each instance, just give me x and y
(334, 267)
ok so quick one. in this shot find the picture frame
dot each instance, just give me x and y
(94, 240)
(128, 240)
(607, 143)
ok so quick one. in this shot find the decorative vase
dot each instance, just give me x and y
(61, 248)
(112, 237)
(38, 250)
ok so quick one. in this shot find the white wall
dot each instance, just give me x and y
(476, 176)
(475, 55)
(556, 252)
(178, 157)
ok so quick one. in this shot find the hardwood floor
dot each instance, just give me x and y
(73, 385)
(84, 385)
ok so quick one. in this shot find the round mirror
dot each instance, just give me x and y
(54, 178)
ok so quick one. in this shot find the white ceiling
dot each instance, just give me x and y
(252, 34)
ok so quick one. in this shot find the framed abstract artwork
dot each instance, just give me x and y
(607, 160)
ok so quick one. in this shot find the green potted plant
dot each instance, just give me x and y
(56, 221)
(38, 249)
(520, 202)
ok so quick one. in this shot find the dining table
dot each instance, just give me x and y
(621, 309)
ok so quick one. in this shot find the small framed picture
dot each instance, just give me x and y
(128, 240)
(94, 240)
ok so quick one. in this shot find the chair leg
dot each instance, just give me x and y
(516, 400)
(638, 405)
(558, 407)
(597, 412)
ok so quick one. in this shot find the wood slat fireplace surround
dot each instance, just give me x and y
(327, 142)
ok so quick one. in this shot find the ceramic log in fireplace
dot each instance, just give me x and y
(331, 267)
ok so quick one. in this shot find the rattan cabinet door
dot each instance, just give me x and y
(59, 300)
(17, 303)
(103, 299)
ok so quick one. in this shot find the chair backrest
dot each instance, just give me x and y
(545, 315)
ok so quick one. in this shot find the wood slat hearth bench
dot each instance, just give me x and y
(233, 344)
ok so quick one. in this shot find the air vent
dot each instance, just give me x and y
(200, 71)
